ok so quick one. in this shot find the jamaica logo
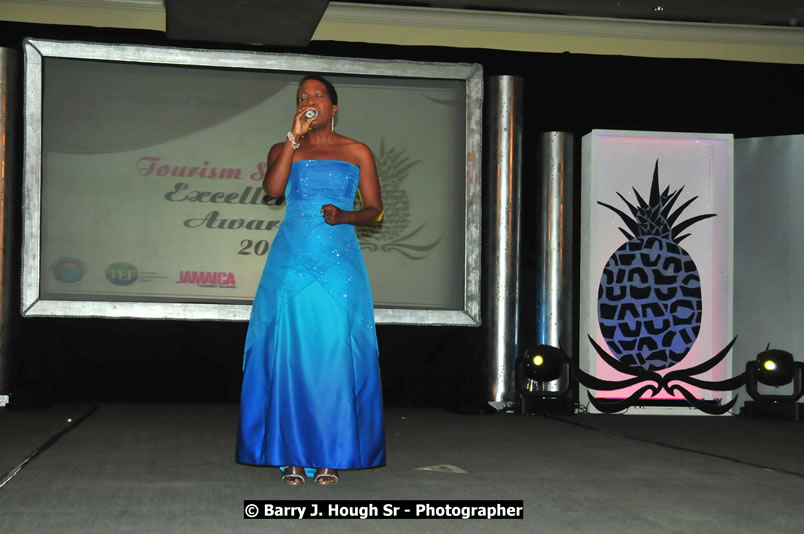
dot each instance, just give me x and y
(392, 234)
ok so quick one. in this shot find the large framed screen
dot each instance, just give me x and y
(143, 171)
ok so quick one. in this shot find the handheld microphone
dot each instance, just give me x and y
(311, 113)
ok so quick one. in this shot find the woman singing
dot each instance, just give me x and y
(311, 401)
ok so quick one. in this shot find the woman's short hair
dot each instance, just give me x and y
(331, 92)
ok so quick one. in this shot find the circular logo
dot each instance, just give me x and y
(121, 273)
(68, 270)
(252, 510)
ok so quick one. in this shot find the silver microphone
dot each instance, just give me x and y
(311, 113)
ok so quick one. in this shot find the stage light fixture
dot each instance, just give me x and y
(542, 363)
(541, 373)
(774, 367)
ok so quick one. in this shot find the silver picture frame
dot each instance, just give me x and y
(37, 50)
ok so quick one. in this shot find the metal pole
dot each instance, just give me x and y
(504, 130)
(554, 293)
(8, 169)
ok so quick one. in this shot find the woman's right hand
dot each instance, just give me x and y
(301, 124)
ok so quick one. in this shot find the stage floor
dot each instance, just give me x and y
(170, 468)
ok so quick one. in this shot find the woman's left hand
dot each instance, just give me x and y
(333, 215)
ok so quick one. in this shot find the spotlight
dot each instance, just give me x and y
(774, 367)
(542, 373)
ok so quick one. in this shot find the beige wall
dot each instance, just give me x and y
(468, 29)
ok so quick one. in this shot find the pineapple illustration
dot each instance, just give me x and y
(392, 169)
(649, 297)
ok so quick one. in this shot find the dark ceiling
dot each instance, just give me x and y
(760, 12)
(293, 22)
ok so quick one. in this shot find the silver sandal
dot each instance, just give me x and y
(292, 477)
(325, 473)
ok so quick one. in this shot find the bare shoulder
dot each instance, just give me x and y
(358, 152)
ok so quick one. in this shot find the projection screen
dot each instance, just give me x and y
(143, 169)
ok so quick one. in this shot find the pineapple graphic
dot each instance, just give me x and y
(391, 233)
(649, 297)
(392, 169)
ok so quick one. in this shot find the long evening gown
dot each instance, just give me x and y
(311, 392)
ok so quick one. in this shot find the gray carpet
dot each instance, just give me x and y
(170, 468)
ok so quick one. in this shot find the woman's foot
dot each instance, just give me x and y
(294, 476)
(326, 476)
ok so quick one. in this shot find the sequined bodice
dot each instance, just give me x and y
(312, 184)
(305, 244)
(307, 249)
(315, 182)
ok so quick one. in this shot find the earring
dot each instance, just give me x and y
(332, 125)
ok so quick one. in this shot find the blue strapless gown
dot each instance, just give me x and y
(311, 392)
